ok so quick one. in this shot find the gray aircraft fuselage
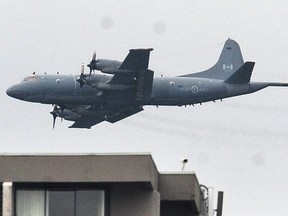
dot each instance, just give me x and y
(88, 99)
(64, 89)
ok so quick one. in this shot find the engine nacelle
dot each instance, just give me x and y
(101, 64)
(69, 115)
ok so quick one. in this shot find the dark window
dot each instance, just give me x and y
(89, 203)
(54, 202)
(60, 203)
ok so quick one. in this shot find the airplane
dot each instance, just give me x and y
(126, 87)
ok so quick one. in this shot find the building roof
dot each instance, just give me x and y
(100, 168)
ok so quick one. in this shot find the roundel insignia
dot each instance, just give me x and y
(194, 89)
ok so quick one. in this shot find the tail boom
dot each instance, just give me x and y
(241, 89)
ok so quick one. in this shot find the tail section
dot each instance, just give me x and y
(229, 61)
(242, 75)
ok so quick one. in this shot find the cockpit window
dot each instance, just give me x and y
(31, 78)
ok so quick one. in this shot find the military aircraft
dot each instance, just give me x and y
(125, 87)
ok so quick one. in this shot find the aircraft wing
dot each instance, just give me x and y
(95, 117)
(123, 113)
(87, 122)
(136, 60)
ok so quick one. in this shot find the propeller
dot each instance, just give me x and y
(93, 64)
(55, 114)
(57, 111)
(81, 78)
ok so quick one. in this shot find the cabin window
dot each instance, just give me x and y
(31, 78)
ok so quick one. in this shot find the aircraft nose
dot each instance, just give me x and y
(15, 92)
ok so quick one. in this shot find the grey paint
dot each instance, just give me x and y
(97, 98)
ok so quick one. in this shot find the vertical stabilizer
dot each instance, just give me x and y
(229, 61)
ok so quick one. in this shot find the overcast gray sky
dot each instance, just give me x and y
(238, 145)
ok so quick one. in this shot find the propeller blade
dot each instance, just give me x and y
(94, 56)
(55, 114)
(54, 120)
(80, 79)
(93, 64)
(82, 69)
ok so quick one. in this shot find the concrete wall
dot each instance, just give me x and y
(180, 186)
(7, 199)
(134, 199)
(79, 168)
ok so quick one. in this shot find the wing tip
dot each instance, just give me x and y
(142, 49)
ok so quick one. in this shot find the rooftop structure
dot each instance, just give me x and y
(95, 184)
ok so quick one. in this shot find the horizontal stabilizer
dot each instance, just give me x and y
(242, 75)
